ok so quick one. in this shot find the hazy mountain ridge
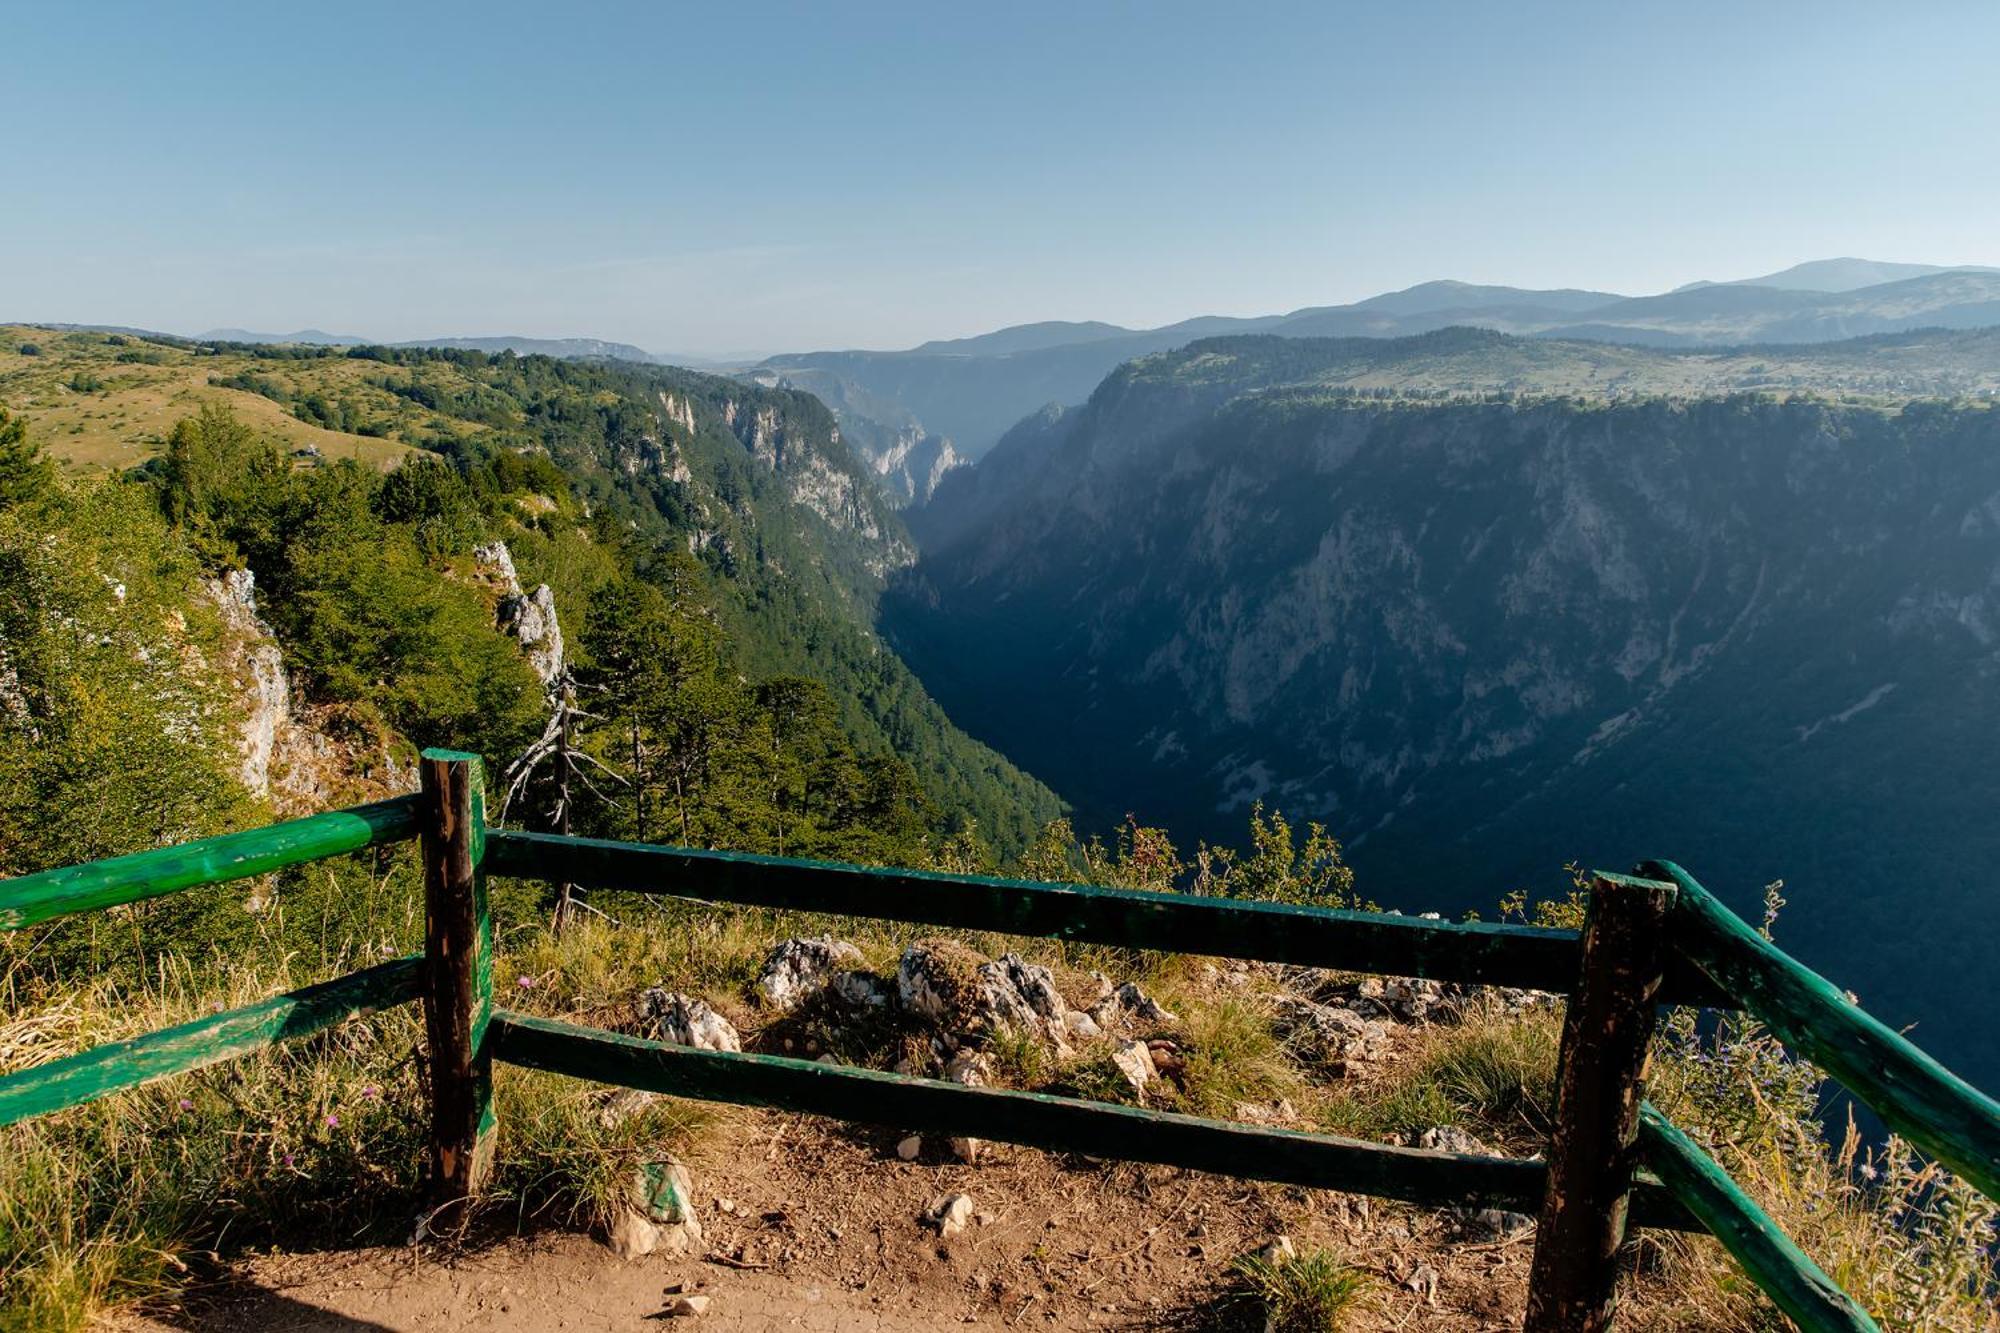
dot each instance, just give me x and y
(972, 390)
(1483, 638)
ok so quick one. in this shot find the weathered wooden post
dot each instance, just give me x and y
(1572, 1287)
(458, 975)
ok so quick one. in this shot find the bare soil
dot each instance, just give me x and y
(815, 1225)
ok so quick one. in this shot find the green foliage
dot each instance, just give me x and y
(1277, 868)
(26, 472)
(114, 735)
(351, 564)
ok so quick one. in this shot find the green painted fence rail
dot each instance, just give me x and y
(1914, 1094)
(163, 870)
(1711, 959)
(1476, 953)
(1792, 1281)
(103, 1070)
(1039, 1120)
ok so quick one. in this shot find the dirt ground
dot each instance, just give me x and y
(814, 1225)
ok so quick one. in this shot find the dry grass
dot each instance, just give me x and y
(127, 420)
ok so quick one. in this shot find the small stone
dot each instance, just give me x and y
(1082, 1025)
(951, 1213)
(1277, 1250)
(1490, 1224)
(965, 1149)
(686, 1307)
(1135, 1062)
(1142, 1004)
(632, 1236)
(970, 1068)
(1452, 1139)
(909, 1149)
(685, 1021)
(1424, 1282)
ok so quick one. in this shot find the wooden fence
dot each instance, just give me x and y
(1649, 939)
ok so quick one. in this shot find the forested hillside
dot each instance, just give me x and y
(1482, 633)
(712, 555)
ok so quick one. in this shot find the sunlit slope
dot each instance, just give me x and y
(107, 401)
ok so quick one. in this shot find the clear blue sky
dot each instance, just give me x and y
(721, 178)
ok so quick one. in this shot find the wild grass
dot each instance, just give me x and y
(1492, 1075)
(1312, 1293)
(1911, 1242)
(1230, 1056)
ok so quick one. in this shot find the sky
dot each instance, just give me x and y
(716, 180)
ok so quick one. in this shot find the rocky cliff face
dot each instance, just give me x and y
(908, 459)
(1481, 640)
(302, 759)
(529, 616)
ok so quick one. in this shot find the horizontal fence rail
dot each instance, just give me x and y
(1477, 953)
(118, 1065)
(1038, 1120)
(1793, 1281)
(163, 870)
(1914, 1094)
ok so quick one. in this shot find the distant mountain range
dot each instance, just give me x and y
(969, 391)
(1840, 275)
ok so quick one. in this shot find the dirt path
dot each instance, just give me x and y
(813, 1225)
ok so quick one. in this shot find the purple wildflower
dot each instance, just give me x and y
(186, 1105)
(525, 983)
(332, 1120)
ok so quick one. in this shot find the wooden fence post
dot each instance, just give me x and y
(1572, 1287)
(458, 975)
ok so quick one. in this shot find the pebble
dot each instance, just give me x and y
(686, 1307)
(909, 1148)
(951, 1213)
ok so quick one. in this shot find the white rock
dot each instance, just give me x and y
(1450, 1138)
(797, 968)
(965, 1150)
(1021, 994)
(911, 1148)
(860, 990)
(1082, 1025)
(950, 1214)
(1135, 1062)
(970, 1068)
(686, 1021)
(633, 1236)
(685, 1307)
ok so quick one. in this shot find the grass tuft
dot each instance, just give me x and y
(1313, 1293)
